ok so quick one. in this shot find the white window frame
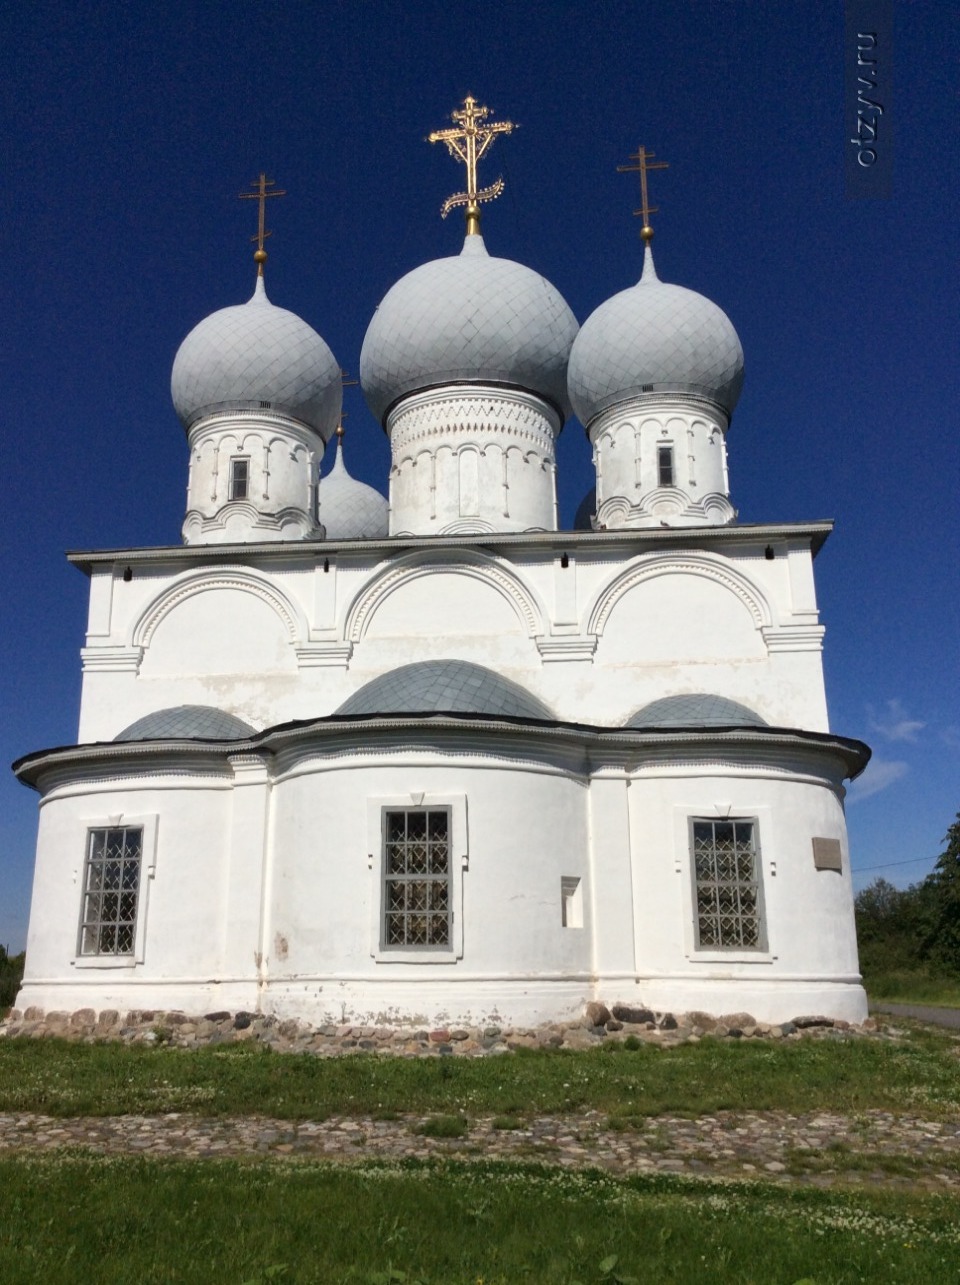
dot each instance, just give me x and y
(148, 823)
(232, 480)
(684, 817)
(665, 449)
(455, 805)
(760, 911)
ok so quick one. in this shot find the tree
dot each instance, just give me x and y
(11, 974)
(889, 928)
(941, 943)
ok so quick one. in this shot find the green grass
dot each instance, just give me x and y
(443, 1126)
(905, 987)
(74, 1219)
(918, 1072)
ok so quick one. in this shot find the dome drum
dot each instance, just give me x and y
(476, 459)
(251, 478)
(662, 458)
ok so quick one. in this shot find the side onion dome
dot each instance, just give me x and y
(254, 356)
(348, 509)
(652, 338)
(468, 319)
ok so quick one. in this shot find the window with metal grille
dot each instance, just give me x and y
(111, 888)
(417, 909)
(726, 867)
(239, 478)
(665, 466)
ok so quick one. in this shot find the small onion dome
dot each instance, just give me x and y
(696, 710)
(445, 687)
(187, 722)
(254, 356)
(468, 319)
(653, 338)
(348, 509)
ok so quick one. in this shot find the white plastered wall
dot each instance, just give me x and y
(595, 633)
(809, 963)
(518, 829)
(189, 952)
(263, 888)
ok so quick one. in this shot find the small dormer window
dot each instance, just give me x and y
(239, 478)
(665, 466)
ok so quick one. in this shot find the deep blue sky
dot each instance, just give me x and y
(130, 128)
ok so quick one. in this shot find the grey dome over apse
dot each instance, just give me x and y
(469, 318)
(696, 710)
(654, 337)
(256, 356)
(348, 509)
(445, 686)
(186, 722)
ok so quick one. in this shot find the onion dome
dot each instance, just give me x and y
(254, 356)
(654, 338)
(348, 509)
(698, 709)
(445, 687)
(187, 722)
(470, 318)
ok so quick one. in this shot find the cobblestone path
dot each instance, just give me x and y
(874, 1148)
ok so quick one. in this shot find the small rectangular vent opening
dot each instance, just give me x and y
(571, 902)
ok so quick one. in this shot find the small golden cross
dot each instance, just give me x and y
(469, 141)
(644, 163)
(261, 195)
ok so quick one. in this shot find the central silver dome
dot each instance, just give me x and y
(470, 318)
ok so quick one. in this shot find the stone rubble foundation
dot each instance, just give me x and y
(599, 1025)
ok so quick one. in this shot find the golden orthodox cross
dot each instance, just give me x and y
(469, 141)
(261, 195)
(644, 163)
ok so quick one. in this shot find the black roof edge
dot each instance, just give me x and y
(857, 748)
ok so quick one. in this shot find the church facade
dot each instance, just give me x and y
(428, 758)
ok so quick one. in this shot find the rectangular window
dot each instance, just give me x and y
(239, 478)
(665, 466)
(111, 889)
(726, 868)
(417, 894)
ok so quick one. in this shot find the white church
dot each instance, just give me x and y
(425, 757)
